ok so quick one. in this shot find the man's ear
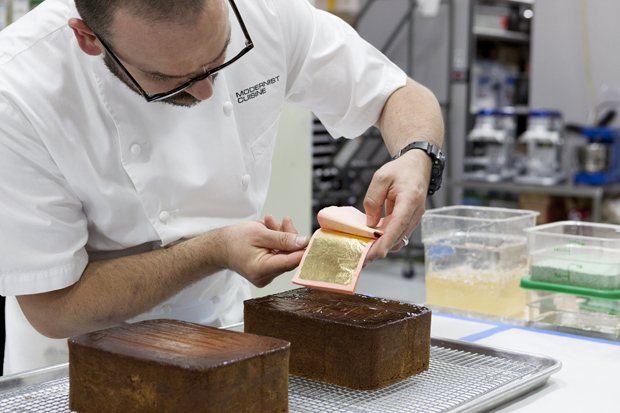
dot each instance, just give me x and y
(87, 40)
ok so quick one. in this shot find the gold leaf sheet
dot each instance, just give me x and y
(333, 257)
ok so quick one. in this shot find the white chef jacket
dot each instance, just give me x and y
(89, 170)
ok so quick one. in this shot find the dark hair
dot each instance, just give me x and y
(99, 14)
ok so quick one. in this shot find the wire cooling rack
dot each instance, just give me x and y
(461, 377)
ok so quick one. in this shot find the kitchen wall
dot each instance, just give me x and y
(568, 37)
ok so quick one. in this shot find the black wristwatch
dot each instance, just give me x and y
(439, 162)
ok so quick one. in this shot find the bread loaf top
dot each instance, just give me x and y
(358, 309)
(178, 343)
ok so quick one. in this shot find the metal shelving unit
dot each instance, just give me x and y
(501, 35)
(594, 193)
(514, 40)
(476, 38)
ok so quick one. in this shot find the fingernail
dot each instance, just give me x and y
(300, 240)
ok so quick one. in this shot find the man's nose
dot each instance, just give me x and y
(202, 90)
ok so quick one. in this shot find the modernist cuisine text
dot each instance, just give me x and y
(256, 90)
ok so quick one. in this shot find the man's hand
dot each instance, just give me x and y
(260, 251)
(401, 187)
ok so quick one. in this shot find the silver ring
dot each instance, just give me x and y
(406, 241)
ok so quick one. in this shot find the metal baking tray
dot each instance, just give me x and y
(462, 377)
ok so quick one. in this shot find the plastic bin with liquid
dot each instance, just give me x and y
(475, 258)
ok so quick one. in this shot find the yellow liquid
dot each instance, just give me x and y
(466, 291)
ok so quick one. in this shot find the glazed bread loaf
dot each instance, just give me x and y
(174, 366)
(354, 341)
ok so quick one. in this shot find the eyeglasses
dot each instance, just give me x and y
(249, 45)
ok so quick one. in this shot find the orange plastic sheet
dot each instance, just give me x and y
(337, 251)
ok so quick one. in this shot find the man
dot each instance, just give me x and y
(135, 147)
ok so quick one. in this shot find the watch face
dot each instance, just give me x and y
(436, 173)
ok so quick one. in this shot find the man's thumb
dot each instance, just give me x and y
(291, 242)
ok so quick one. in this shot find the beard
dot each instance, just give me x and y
(182, 99)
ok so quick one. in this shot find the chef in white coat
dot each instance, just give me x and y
(136, 140)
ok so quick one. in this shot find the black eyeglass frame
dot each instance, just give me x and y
(249, 45)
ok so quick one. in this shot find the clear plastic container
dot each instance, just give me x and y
(580, 254)
(584, 313)
(475, 258)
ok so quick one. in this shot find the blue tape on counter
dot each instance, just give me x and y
(504, 327)
(484, 334)
(475, 320)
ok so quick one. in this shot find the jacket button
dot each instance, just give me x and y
(164, 216)
(166, 309)
(245, 180)
(228, 107)
(136, 149)
(216, 299)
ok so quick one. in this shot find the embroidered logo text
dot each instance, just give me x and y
(256, 90)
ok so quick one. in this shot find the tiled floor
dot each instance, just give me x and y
(384, 278)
